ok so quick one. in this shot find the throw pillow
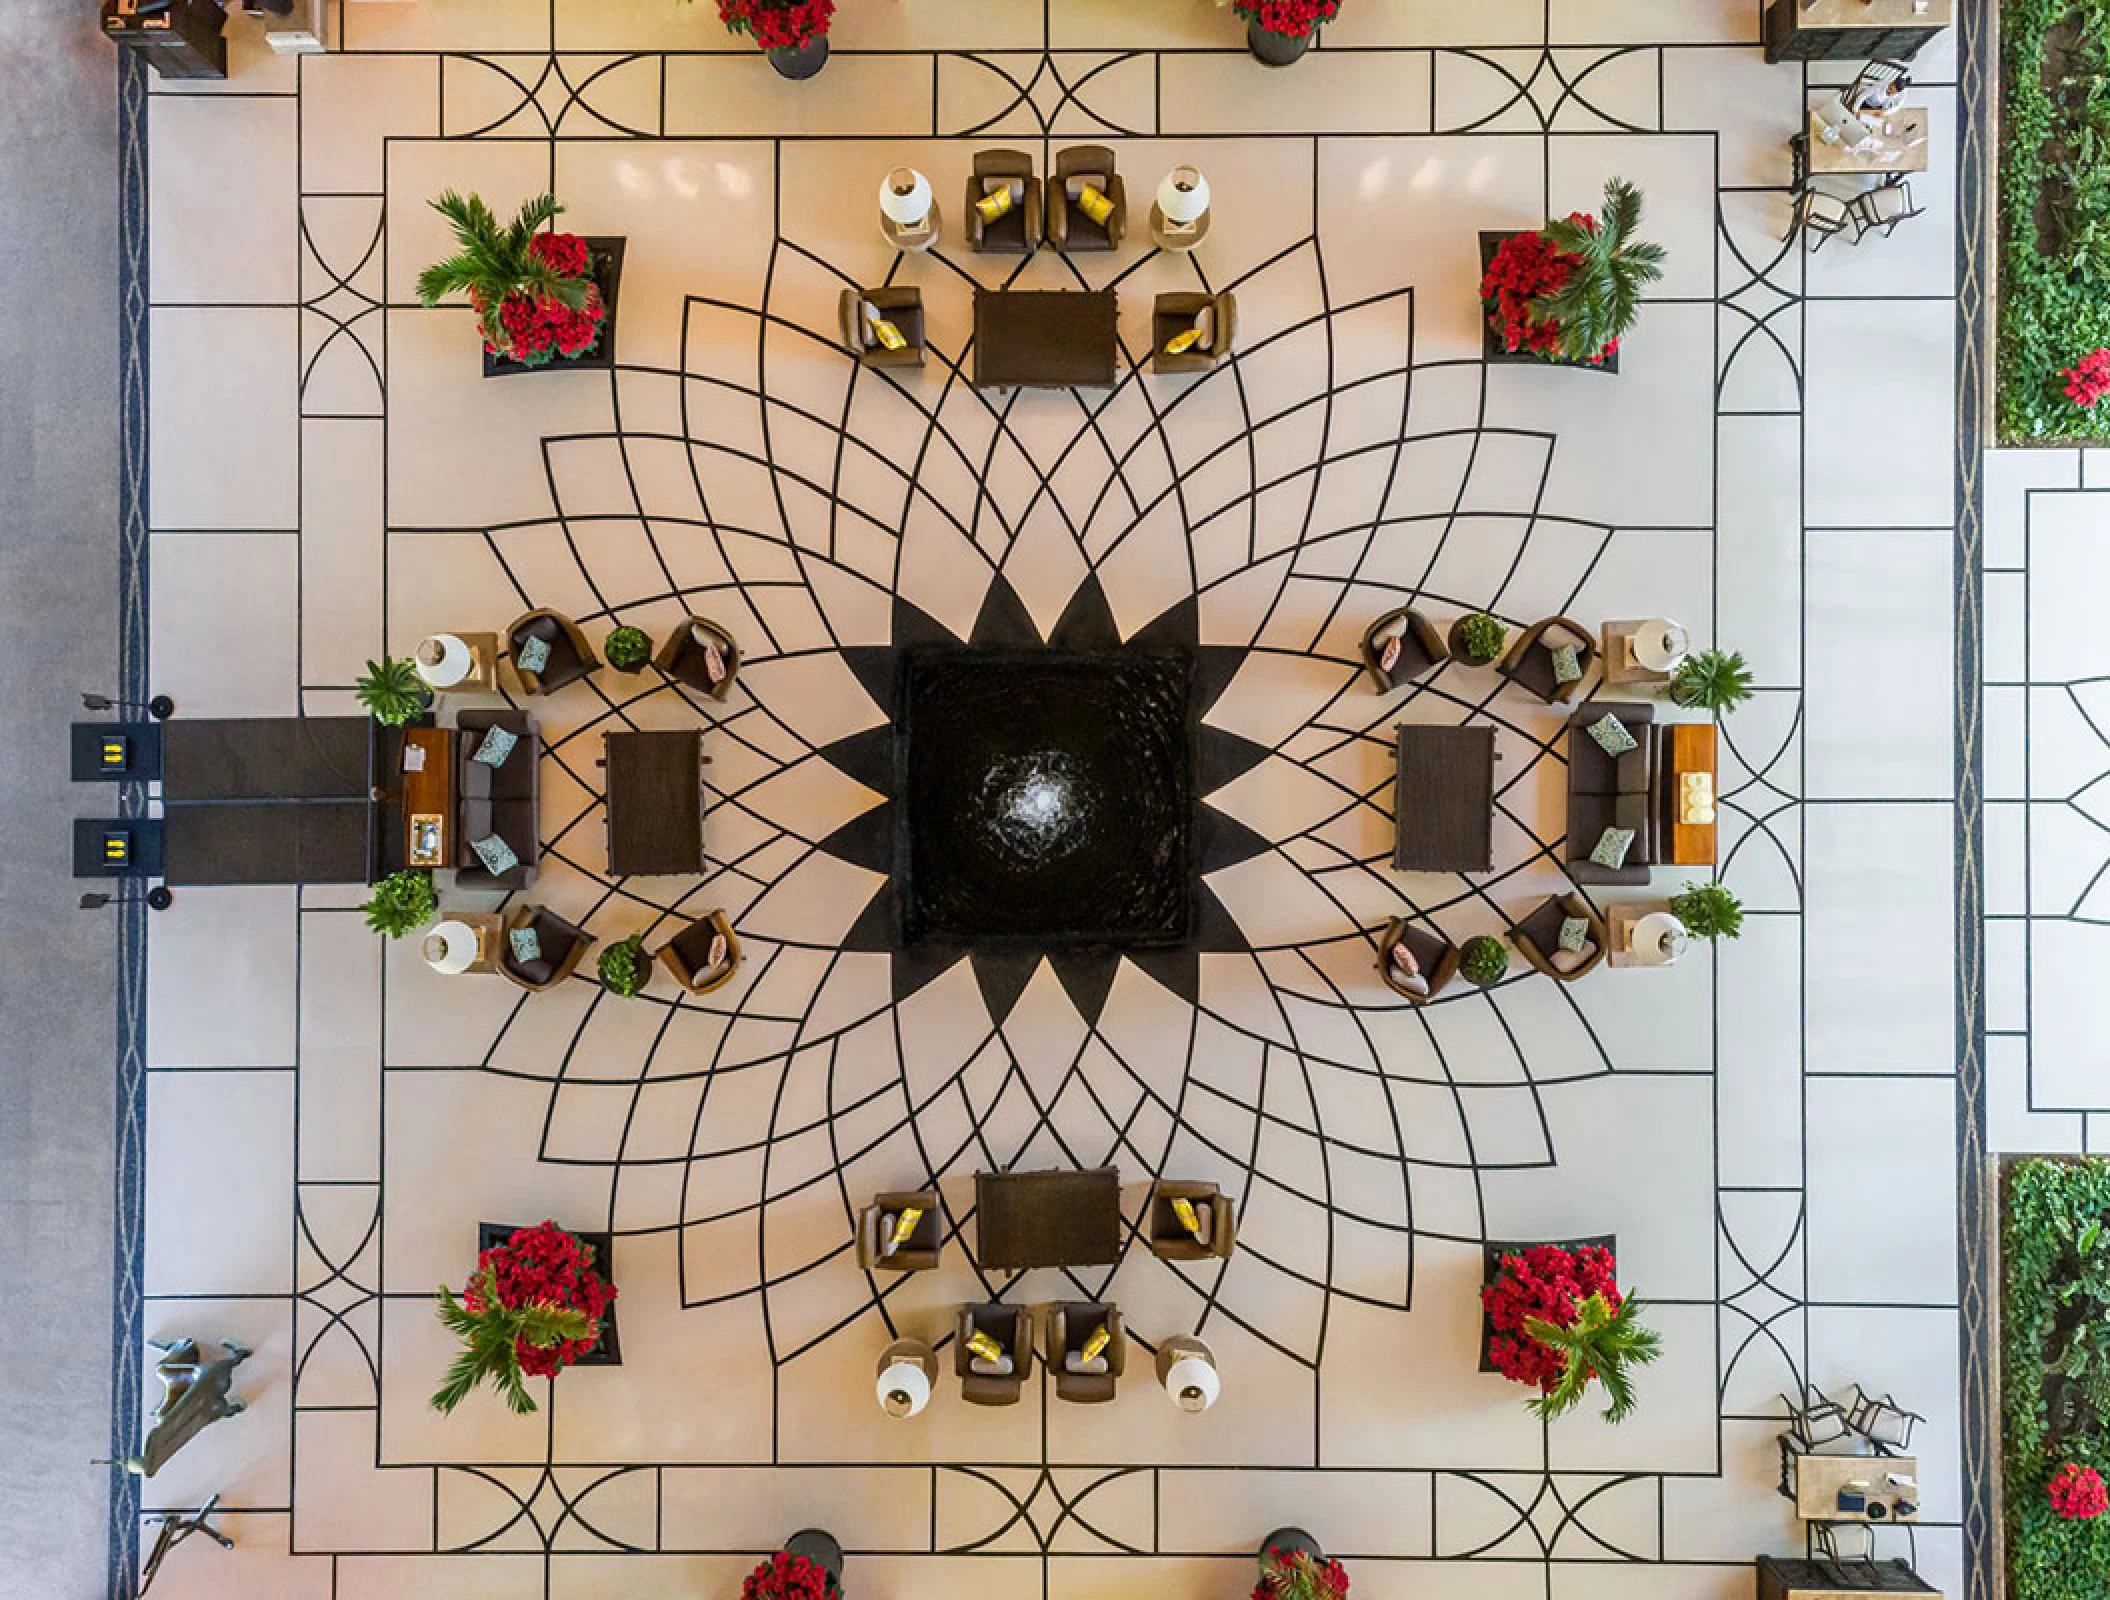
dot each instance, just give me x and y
(1078, 184)
(531, 654)
(1612, 736)
(1566, 667)
(1575, 932)
(1072, 1361)
(713, 664)
(1416, 984)
(498, 744)
(526, 943)
(888, 1244)
(1612, 846)
(1390, 658)
(997, 201)
(496, 855)
(1565, 961)
(1556, 634)
(990, 1369)
(1403, 960)
(1183, 341)
(718, 953)
(1205, 325)
(1095, 203)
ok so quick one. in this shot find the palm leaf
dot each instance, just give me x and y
(1602, 295)
(1602, 1344)
(495, 261)
(491, 1340)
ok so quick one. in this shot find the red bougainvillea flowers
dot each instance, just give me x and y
(1525, 268)
(1294, 1575)
(1547, 1283)
(539, 328)
(788, 1577)
(2088, 379)
(1294, 19)
(778, 24)
(544, 1265)
(2077, 1492)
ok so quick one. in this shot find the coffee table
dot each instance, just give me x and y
(1044, 339)
(1047, 1219)
(1443, 802)
(655, 802)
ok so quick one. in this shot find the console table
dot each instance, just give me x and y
(1044, 339)
(1688, 747)
(1852, 30)
(428, 798)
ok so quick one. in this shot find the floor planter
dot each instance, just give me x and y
(1291, 1540)
(799, 64)
(606, 1351)
(1491, 347)
(1455, 637)
(607, 277)
(1276, 49)
(819, 1547)
(1491, 1254)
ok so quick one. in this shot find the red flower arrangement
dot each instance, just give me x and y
(785, 1576)
(1547, 1283)
(1298, 1575)
(778, 24)
(539, 328)
(2077, 1492)
(1525, 269)
(544, 1266)
(2088, 379)
(1293, 19)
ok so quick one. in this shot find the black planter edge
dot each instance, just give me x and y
(1491, 1253)
(608, 277)
(1491, 349)
(607, 1350)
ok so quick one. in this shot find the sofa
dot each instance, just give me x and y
(503, 800)
(1614, 792)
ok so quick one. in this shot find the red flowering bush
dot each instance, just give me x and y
(537, 328)
(2088, 379)
(1526, 269)
(2077, 1492)
(788, 1577)
(1298, 1575)
(778, 24)
(1295, 19)
(1547, 1283)
(544, 1266)
(533, 291)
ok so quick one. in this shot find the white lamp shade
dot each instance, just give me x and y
(1183, 195)
(903, 1389)
(905, 195)
(1661, 644)
(1658, 939)
(444, 660)
(450, 947)
(1193, 1383)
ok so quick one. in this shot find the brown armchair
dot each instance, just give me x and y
(1530, 660)
(902, 306)
(688, 954)
(570, 656)
(563, 943)
(1069, 1326)
(1436, 956)
(875, 1225)
(1017, 231)
(681, 657)
(1068, 227)
(1420, 648)
(1173, 314)
(1012, 1328)
(1169, 1239)
(1538, 936)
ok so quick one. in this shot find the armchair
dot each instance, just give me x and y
(682, 657)
(1538, 937)
(902, 306)
(688, 954)
(1069, 228)
(1017, 231)
(570, 656)
(875, 1225)
(1420, 648)
(1529, 663)
(1435, 955)
(1173, 314)
(504, 800)
(1169, 1239)
(563, 943)
(997, 1383)
(1069, 1326)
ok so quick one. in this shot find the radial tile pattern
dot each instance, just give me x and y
(327, 1120)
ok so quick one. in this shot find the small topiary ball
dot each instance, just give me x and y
(1484, 960)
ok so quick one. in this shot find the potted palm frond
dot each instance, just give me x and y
(392, 691)
(1567, 292)
(1554, 1320)
(543, 299)
(1711, 680)
(535, 1306)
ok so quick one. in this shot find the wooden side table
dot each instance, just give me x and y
(1688, 749)
(489, 928)
(1621, 670)
(1620, 918)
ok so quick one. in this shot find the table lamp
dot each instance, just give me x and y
(908, 209)
(1183, 204)
(903, 1388)
(1661, 644)
(1657, 939)
(443, 660)
(450, 947)
(1187, 1369)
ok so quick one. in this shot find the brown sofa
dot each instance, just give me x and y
(1437, 955)
(503, 800)
(920, 1254)
(1169, 1241)
(1538, 937)
(688, 954)
(1017, 231)
(570, 656)
(1012, 1328)
(563, 943)
(1173, 314)
(902, 306)
(1604, 792)
(1529, 663)
(1069, 228)
(681, 657)
(1420, 648)
(1069, 1326)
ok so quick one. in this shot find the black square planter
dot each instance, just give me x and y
(1491, 349)
(608, 278)
(1491, 1253)
(607, 1351)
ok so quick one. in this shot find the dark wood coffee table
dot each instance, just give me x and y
(1443, 802)
(1044, 339)
(655, 802)
(1047, 1219)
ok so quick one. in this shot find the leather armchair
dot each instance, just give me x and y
(504, 800)
(1017, 231)
(688, 954)
(1069, 1326)
(1436, 955)
(1174, 314)
(681, 658)
(1530, 660)
(1170, 1241)
(1420, 648)
(920, 1254)
(1068, 227)
(1538, 936)
(563, 943)
(570, 656)
(1012, 1328)
(902, 306)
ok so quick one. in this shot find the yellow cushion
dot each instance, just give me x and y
(995, 203)
(1094, 204)
(1180, 343)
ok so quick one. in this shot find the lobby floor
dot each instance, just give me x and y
(1769, 1127)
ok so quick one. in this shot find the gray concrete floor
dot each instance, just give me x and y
(58, 635)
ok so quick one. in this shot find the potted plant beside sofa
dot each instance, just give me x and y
(544, 300)
(1554, 1320)
(1566, 292)
(792, 33)
(536, 1305)
(1278, 32)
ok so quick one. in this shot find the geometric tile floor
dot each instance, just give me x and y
(1768, 1128)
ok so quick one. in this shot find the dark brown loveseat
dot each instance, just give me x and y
(500, 800)
(1614, 792)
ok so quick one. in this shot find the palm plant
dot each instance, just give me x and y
(491, 1343)
(1600, 1343)
(1602, 294)
(1717, 680)
(495, 262)
(392, 690)
(401, 903)
(1708, 911)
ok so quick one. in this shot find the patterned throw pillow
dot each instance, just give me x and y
(527, 944)
(719, 951)
(498, 744)
(1612, 846)
(496, 855)
(1612, 736)
(1575, 932)
(1567, 667)
(531, 654)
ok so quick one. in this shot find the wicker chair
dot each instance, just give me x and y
(1420, 648)
(682, 659)
(563, 943)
